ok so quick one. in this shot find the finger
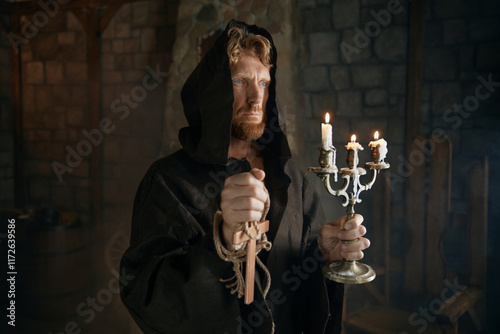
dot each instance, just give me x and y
(259, 174)
(245, 203)
(357, 246)
(352, 234)
(352, 256)
(241, 216)
(354, 222)
(232, 192)
(243, 179)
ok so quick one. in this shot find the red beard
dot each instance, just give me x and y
(247, 131)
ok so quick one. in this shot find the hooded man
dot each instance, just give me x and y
(234, 161)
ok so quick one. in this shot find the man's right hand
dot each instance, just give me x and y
(242, 200)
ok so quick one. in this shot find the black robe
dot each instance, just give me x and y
(170, 273)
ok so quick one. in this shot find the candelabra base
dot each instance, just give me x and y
(349, 272)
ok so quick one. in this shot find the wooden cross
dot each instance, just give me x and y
(238, 238)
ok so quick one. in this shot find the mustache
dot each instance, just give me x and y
(257, 109)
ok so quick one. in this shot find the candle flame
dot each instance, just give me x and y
(353, 138)
(376, 135)
(327, 117)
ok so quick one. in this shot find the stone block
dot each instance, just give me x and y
(124, 14)
(44, 98)
(466, 57)
(484, 29)
(352, 49)
(110, 32)
(140, 14)
(454, 31)
(314, 20)
(306, 3)
(124, 62)
(28, 101)
(398, 79)
(323, 103)
(122, 30)
(35, 73)
(444, 95)
(82, 199)
(349, 103)
(440, 64)
(433, 33)
(148, 40)
(345, 13)
(455, 8)
(60, 135)
(76, 71)
(62, 96)
(376, 97)
(340, 77)
(76, 116)
(324, 48)
(66, 38)
(392, 44)
(133, 76)
(72, 22)
(63, 198)
(108, 62)
(112, 77)
(117, 46)
(54, 72)
(39, 189)
(315, 79)
(369, 76)
(45, 46)
(79, 96)
(112, 150)
(131, 45)
(396, 132)
(487, 56)
(106, 46)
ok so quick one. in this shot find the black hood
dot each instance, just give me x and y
(207, 97)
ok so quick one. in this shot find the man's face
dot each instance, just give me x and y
(251, 81)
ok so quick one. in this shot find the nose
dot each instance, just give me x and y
(255, 94)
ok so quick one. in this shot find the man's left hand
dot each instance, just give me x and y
(330, 237)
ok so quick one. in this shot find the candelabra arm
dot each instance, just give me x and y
(367, 186)
(341, 192)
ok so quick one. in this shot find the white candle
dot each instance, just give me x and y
(382, 145)
(355, 146)
(326, 133)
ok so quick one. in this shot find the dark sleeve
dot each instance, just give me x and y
(324, 298)
(170, 273)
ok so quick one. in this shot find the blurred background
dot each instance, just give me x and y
(90, 97)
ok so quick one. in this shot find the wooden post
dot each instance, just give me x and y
(438, 214)
(238, 238)
(19, 186)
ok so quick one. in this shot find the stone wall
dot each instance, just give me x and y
(6, 128)
(354, 67)
(461, 53)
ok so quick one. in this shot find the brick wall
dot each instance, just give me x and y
(461, 52)
(354, 67)
(6, 128)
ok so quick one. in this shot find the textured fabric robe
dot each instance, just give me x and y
(176, 286)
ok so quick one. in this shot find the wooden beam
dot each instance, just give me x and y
(477, 218)
(108, 14)
(19, 185)
(415, 222)
(94, 88)
(82, 17)
(4, 26)
(415, 55)
(438, 215)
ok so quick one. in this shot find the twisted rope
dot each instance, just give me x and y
(238, 257)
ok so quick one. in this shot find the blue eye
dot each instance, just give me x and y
(238, 81)
(263, 84)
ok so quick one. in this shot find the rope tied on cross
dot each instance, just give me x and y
(248, 242)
